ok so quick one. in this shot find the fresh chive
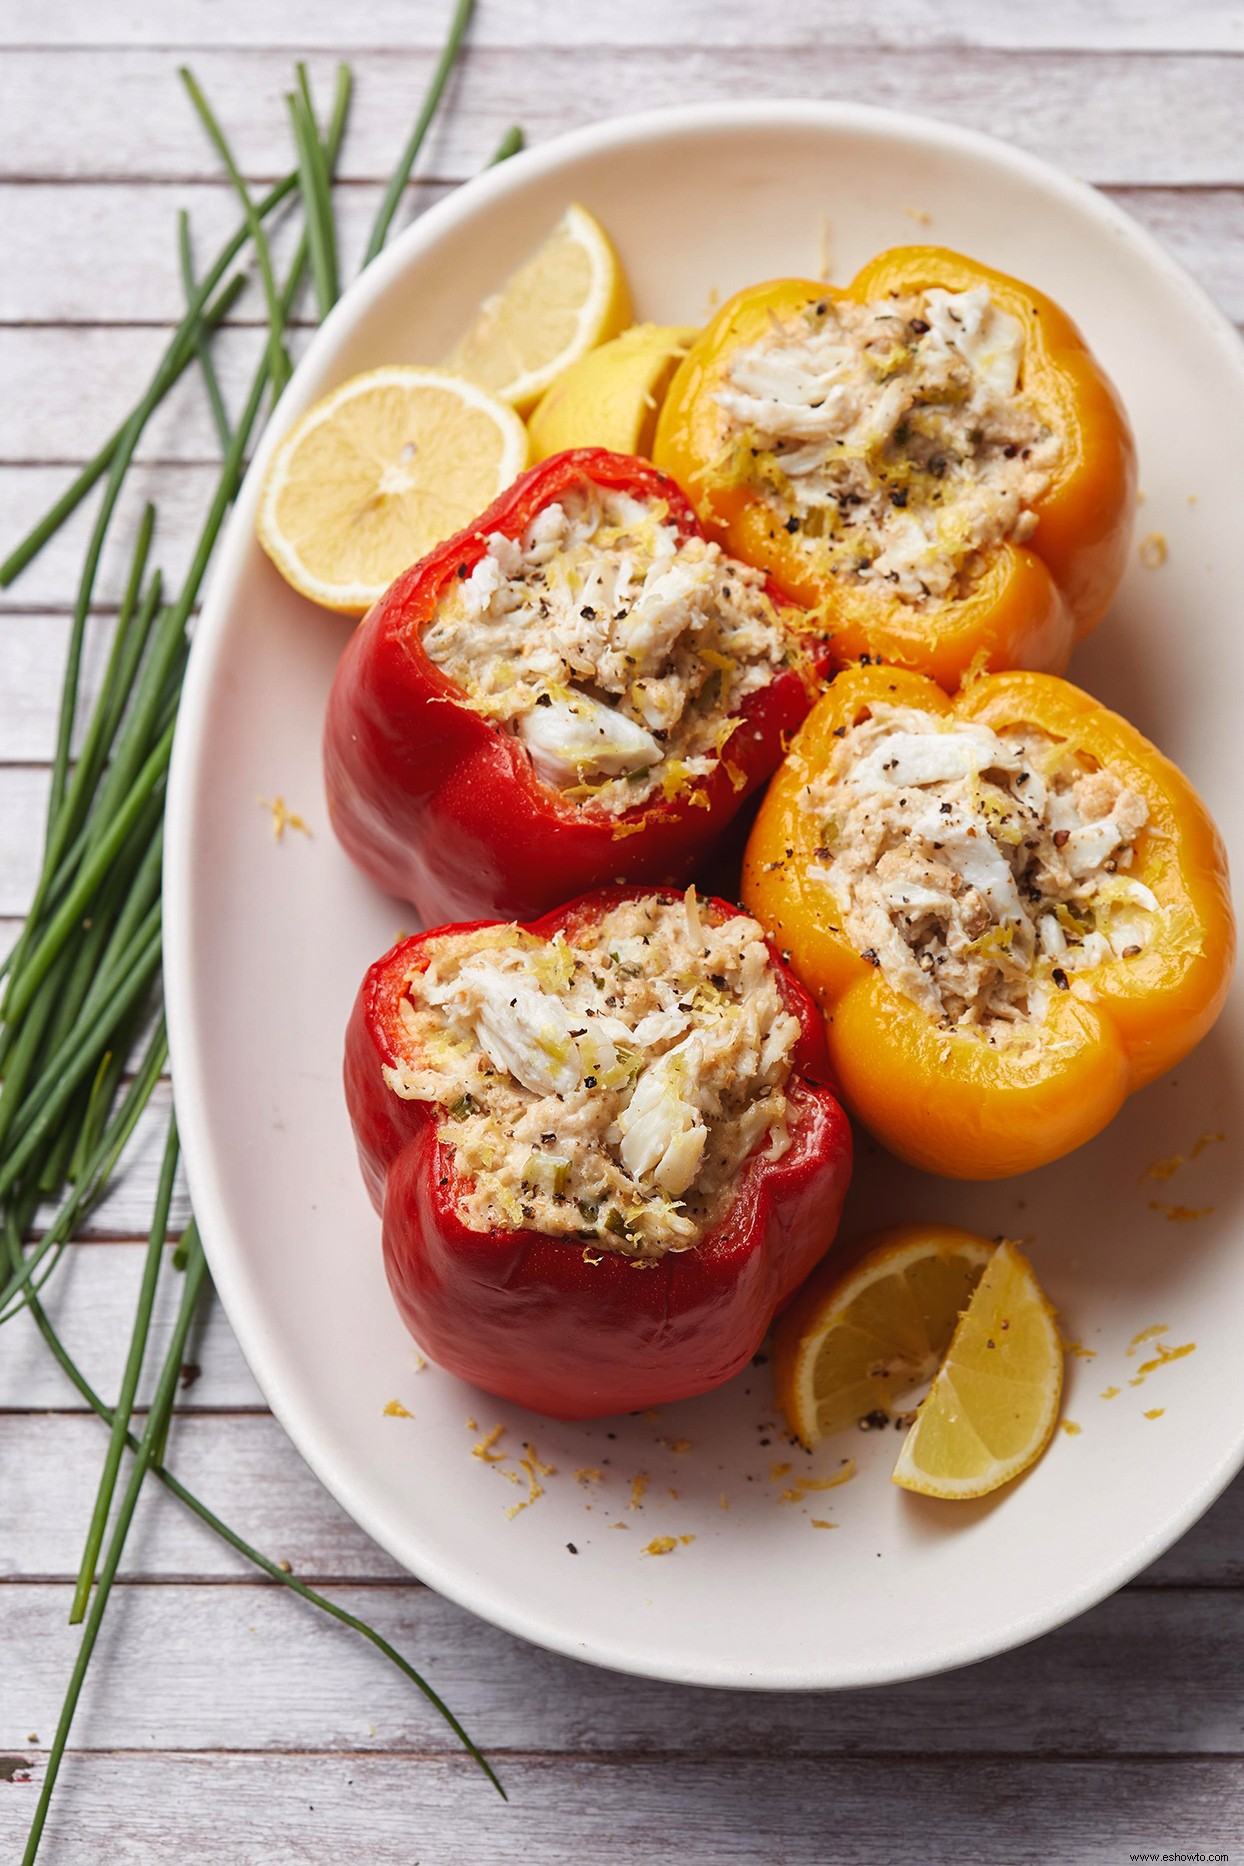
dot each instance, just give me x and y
(187, 1498)
(94, 869)
(177, 357)
(73, 1063)
(401, 174)
(510, 144)
(161, 1406)
(124, 1409)
(202, 348)
(95, 1179)
(78, 974)
(317, 201)
(278, 357)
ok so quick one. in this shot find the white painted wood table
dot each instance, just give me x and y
(223, 1721)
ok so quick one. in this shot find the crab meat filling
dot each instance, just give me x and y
(893, 439)
(978, 870)
(617, 653)
(605, 1087)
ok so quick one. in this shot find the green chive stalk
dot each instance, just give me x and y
(82, 974)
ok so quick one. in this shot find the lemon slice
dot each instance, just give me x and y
(612, 396)
(993, 1407)
(570, 295)
(372, 477)
(859, 1337)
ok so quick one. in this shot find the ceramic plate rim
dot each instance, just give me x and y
(224, 1245)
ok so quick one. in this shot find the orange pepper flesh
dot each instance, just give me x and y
(947, 1100)
(1032, 602)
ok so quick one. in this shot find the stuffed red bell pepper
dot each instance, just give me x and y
(602, 1145)
(578, 690)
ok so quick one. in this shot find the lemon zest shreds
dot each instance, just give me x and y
(1147, 1334)
(394, 1409)
(283, 818)
(545, 1470)
(1070, 1427)
(1164, 1354)
(485, 1450)
(639, 1483)
(1155, 1412)
(1163, 1169)
(660, 1545)
(1180, 1214)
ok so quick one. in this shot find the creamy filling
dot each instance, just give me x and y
(892, 440)
(616, 653)
(608, 1087)
(979, 870)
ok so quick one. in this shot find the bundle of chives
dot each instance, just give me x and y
(81, 982)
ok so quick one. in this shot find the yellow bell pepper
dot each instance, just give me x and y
(942, 1096)
(1030, 602)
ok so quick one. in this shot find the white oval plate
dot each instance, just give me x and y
(267, 943)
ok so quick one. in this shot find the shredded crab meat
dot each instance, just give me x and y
(979, 870)
(617, 653)
(893, 439)
(605, 1088)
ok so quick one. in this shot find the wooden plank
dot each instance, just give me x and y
(243, 1466)
(1134, 25)
(1136, 117)
(45, 371)
(123, 234)
(125, 270)
(196, 1668)
(182, 493)
(91, 1301)
(32, 666)
(238, 1810)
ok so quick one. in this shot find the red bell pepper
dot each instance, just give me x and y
(570, 1332)
(442, 807)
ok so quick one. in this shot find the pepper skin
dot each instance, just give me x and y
(943, 1099)
(1033, 602)
(440, 806)
(570, 1331)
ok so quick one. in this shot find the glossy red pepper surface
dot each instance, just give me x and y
(557, 1324)
(442, 807)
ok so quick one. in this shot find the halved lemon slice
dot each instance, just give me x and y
(372, 477)
(612, 396)
(993, 1406)
(570, 295)
(863, 1332)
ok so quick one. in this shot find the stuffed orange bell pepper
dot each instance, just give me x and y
(930, 456)
(1012, 909)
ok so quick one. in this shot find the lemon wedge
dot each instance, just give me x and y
(993, 1405)
(862, 1334)
(612, 396)
(567, 297)
(388, 465)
